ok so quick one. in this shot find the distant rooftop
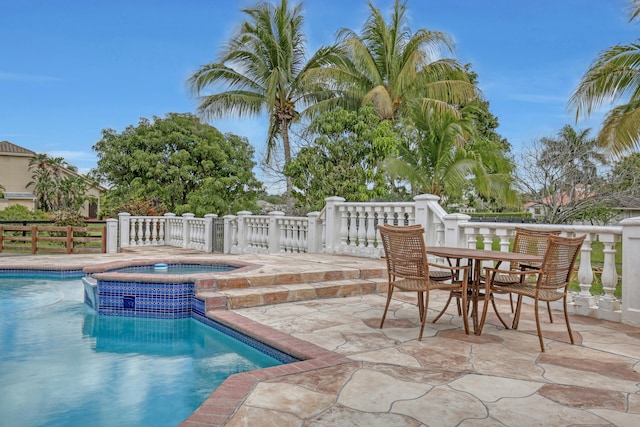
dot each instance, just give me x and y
(9, 148)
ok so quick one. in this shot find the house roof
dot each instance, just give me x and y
(7, 147)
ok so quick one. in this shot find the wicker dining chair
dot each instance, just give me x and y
(526, 241)
(408, 269)
(552, 279)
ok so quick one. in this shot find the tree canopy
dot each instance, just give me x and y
(263, 68)
(395, 69)
(344, 158)
(180, 163)
(613, 76)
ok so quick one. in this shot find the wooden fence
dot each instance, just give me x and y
(53, 239)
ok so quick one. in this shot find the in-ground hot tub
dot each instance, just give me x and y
(154, 289)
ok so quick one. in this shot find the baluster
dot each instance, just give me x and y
(161, 223)
(371, 230)
(302, 227)
(265, 235)
(361, 229)
(132, 233)
(140, 238)
(353, 231)
(504, 235)
(440, 234)
(234, 237)
(471, 237)
(585, 270)
(344, 228)
(609, 276)
(283, 235)
(295, 236)
(147, 231)
(410, 214)
(154, 231)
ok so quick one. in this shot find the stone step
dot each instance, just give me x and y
(264, 295)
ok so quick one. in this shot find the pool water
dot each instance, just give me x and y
(178, 269)
(62, 365)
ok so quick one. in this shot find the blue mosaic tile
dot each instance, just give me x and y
(55, 274)
(258, 345)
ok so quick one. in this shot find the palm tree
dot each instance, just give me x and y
(443, 152)
(263, 68)
(395, 69)
(615, 74)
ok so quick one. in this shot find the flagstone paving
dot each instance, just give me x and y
(448, 378)
(356, 374)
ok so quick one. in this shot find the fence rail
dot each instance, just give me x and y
(53, 239)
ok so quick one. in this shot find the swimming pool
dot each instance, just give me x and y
(62, 365)
(177, 268)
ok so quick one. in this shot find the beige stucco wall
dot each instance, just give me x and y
(15, 175)
(14, 172)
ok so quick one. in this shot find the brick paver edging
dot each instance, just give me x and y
(230, 395)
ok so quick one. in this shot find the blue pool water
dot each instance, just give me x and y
(178, 269)
(62, 365)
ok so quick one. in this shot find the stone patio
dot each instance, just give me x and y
(356, 374)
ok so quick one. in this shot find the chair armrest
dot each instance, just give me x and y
(454, 270)
(491, 273)
(450, 267)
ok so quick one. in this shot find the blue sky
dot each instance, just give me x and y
(69, 69)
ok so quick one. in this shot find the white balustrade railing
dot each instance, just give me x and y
(351, 229)
(583, 302)
(184, 231)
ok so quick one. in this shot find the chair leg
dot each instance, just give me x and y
(386, 307)
(537, 312)
(549, 310)
(424, 316)
(447, 306)
(511, 302)
(464, 303)
(495, 309)
(516, 316)
(566, 318)
(421, 306)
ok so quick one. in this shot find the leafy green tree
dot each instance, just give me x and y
(562, 175)
(180, 162)
(344, 159)
(614, 75)
(440, 153)
(394, 69)
(263, 69)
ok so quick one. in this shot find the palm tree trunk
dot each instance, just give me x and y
(286, 146)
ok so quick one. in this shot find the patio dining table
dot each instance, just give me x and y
(475, 258)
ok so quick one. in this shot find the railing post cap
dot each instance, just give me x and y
(211, 216)
(111, 220)
(631, 221)
(335, 199)
(244, 213)
(170, 214)
(426, 197)
(457, 216)
(229, 217)
(188, 215)
(314, 213)
(276, 213)
(124, 214)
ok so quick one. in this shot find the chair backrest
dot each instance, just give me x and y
(559, 260)
(532, 242)
(405, 251)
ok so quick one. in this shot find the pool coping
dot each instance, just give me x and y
(227, 398)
